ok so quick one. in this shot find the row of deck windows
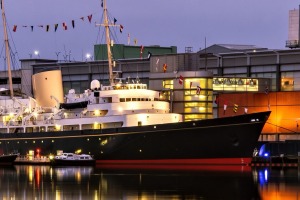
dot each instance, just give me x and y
(137, 99)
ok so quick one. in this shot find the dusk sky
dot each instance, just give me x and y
(157, 22)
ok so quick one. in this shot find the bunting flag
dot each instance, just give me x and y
(267, 90)
(198, 90)
(65, 26)
(90, 18)
(225, 107)
(165, 66)
(157, 61)
(141, 52)
(128, 38)
(135, 42)
(55, 27)
(180, 80)
(216, 100)
(102, 3)
(115, 20)
(15, 26)
(149, 55)
(246, 110)
(121, 28)
(235, 108)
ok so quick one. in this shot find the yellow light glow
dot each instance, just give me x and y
(96, 125)
(201, 108)
(57, 127)
(78, 151)
(51, 157)
(97, 112)
(120, 109)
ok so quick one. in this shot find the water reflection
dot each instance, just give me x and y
(46, 182)
(278, 183)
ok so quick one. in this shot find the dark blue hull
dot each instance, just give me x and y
(222, 138)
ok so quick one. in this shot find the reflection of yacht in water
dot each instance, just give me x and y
(123, 123)
(236, 183)
(72, 173)
(46, 182)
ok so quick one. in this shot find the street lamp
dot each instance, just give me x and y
(88, 56)
(36, 53)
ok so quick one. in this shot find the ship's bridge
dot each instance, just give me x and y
(127, 86)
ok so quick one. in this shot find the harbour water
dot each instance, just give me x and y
(223, 182)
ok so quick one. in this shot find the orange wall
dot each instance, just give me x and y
(285, 107)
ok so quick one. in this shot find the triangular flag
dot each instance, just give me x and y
(267, 90)
(31, 28)
(82, 18)
(47, 28)
(180, 80)
(198, 90)
(149, 55)
(73, 23)
(55, 27)
(41, 26)
(135, 42)
(165, 66)
(115, 20)
(246, 110)
(65, 26)
(90, 18)
(15, 26)
(121, 28)
(141, 52)
(157, 61)
(128, 39)
(235, 108)
(102, 3)
(225, 107)
(217, 100)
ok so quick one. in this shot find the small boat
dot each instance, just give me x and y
(8, 159)
(81, 104)
(72, 159)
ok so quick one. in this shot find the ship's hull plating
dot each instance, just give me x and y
(8, 159)
(229, 140)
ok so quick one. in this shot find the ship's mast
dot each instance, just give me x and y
(7, 53)
(108, 42)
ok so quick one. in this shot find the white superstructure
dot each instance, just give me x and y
(121, 105)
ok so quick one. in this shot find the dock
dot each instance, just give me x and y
(276, 161)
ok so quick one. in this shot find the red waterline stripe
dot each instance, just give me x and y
(220, 164)
(206, 161)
